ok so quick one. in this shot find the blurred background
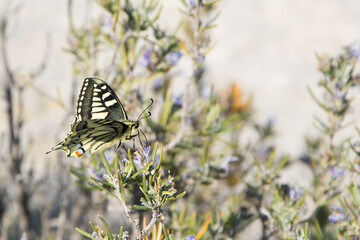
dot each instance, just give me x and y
(267, 47)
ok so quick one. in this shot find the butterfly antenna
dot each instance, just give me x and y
(149, 113)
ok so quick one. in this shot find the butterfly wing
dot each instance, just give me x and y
(98, 101)
(93, 135)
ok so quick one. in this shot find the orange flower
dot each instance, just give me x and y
(236, 100)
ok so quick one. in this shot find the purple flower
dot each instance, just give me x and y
(192, 3)
(107, 26)
(146, 57)
(230, 163)
(99, 174)
(270, 122)
(201, 57)
(206, 91)
(337, 86)
(177, 100)
(336, 216)
(190, 237)
(109, 155)
(336, 172)
(305, 158)
(156, 161)
(292, 193)
(173, 57)
(355, 144)
(146, 151)
(107, 23)
(158, 83)
(354, 50)
(185, 175)
(137, 160)
(340, 95)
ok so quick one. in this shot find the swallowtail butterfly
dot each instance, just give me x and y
(100, 121)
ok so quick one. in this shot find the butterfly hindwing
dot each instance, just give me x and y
(92, 135)
(98, 101)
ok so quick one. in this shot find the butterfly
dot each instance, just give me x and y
(100, 121)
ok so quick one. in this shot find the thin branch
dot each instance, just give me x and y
(134, 222)
(154, 218)
(9, 82)
(70, 16)
(196, 32)
(4, 54)
(45, 94)
(15, 127)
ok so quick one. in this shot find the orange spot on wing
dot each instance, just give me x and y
(79, 152)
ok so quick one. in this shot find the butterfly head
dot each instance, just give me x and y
(134, 127)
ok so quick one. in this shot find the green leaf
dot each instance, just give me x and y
(131, 162)
(181, 195)
(316, 100)
(282, 163)
(106, 164)
(318, 229)
(153, 155)
(140, 207)
(307, 232)
(107, 229)
(97, 182)
(271, 159)
(86, 187)
(93, 226)
(356, 194)
(207, 3)
(121, 232)
(145, 168)
(208, 27)
(86, 234)
(178, 196)
(146, 204)
(166, 235)
(160, 161)
(166, 108)
(121, 188)
(156, 16)
(78, 174)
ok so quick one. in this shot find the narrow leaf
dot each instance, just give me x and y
(107, 229)
(86, 234)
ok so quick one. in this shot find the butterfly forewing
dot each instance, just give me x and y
(98, 101)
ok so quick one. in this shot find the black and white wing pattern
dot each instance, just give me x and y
(98, 101)
(100, 121)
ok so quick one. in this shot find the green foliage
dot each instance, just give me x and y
(200, 133)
